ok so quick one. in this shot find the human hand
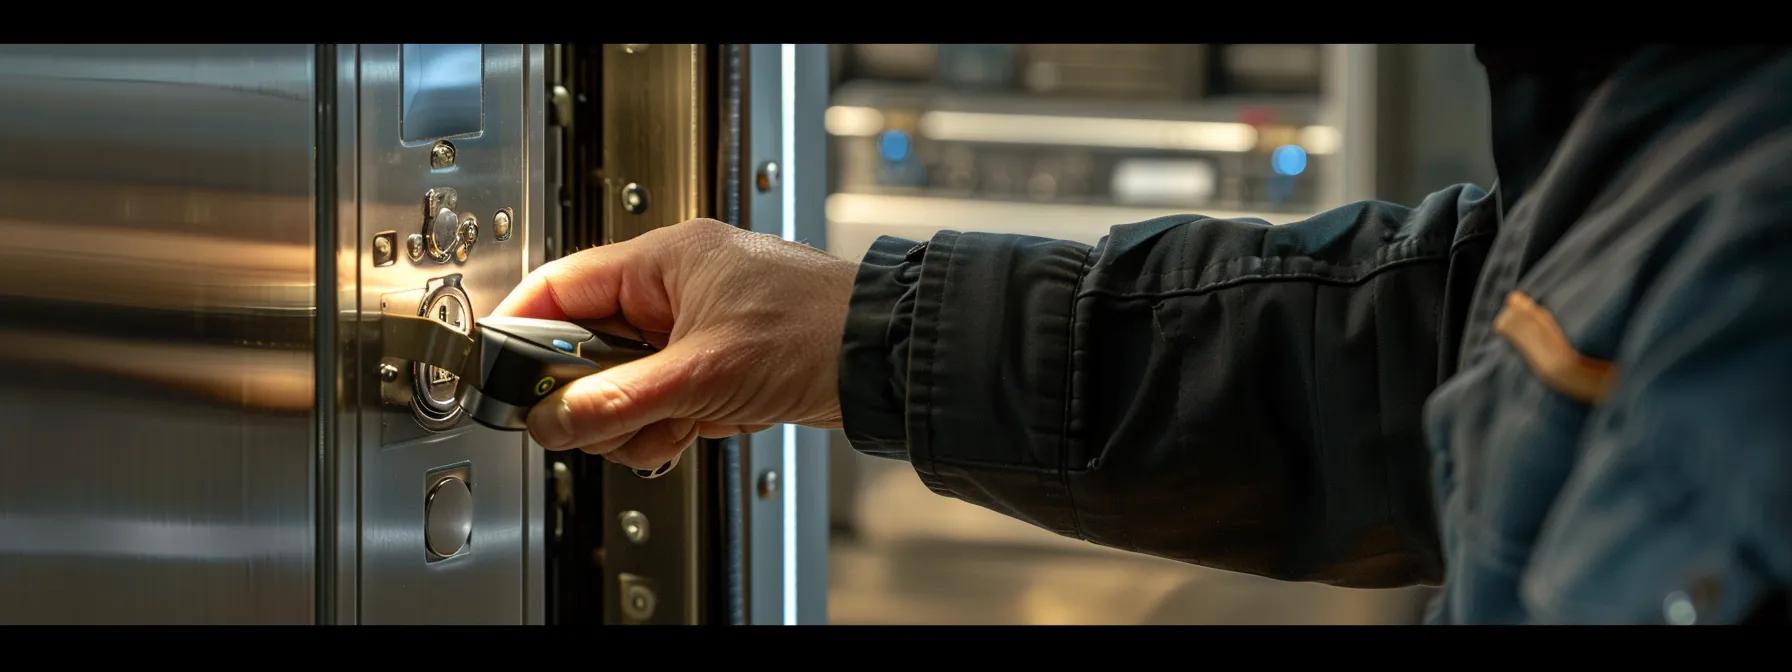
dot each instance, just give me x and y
(748, 325)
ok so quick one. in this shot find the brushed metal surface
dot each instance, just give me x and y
(493, 169)
(656, 127)
(339, 493)
(157, 278)
(532, 220)
(787, 531)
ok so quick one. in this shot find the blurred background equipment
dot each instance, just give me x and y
(1066, 140)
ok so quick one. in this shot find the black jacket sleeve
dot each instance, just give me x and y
(1223, 392)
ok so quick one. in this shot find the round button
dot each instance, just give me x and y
(448, 517)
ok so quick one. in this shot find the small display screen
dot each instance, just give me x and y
(443, 94)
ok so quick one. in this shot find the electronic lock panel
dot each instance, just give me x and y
(446, 141)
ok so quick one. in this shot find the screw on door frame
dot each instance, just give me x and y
(768, 484)
(634, 198)
(767, 177)
(442, 155)
(634, 526)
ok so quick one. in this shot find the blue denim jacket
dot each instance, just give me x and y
(1329, 400)
(1660, 238)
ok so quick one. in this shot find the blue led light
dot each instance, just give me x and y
(1288, 160)
(894, 145)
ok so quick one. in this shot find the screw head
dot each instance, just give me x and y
(385, 248)
(634, 526)
(634, 198)
(639, 602)
(767, 177)
(388, 373)
(768, 484)
(414, 246)
(501, 225)
(442, 155)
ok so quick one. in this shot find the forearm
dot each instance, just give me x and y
(1226, 393)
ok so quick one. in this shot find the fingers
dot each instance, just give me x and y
(655, 448)
(619, 327)
(720, 430)
(610, 281)
(603, 411)
(581, 286)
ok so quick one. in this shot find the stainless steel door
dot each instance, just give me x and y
(444, 165)
(196, 423)
(157, 450)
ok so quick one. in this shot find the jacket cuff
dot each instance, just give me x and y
(987, 391)
(874, 352)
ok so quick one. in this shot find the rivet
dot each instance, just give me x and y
(767, 178)
(768, 484)
(634, 526)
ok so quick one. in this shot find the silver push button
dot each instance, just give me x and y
(448, 517)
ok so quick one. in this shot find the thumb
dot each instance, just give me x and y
(611, 405)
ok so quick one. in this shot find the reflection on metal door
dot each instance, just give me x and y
(202, 424)
(436, 150)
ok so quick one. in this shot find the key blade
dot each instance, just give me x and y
(420, 339)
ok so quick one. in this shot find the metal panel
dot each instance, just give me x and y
(493, 169)
(338, 494)
(763, 456)
(787, 466)
(656, 138)
(158, 287)
(535, 215)
(808, 182)
(656, 104)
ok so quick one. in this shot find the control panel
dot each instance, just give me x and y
(446, 137)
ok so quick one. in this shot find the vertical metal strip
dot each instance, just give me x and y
(728, 451)
(791, 171)
(763, 474)
(324, 241)
(807, 181)
(534, 216)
